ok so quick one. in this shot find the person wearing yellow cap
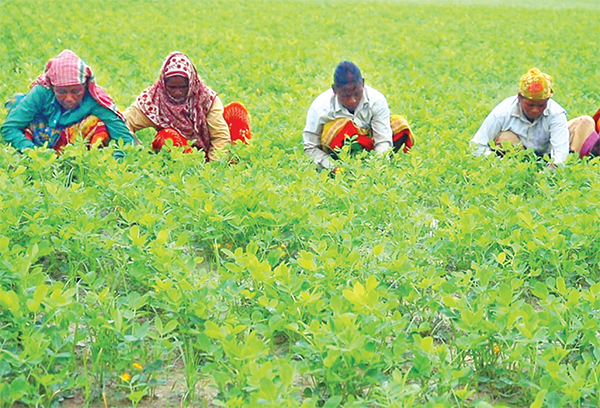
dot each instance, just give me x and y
(535, 121)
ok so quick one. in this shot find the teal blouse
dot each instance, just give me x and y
(41, 103)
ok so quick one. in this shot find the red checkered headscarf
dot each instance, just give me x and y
(189, 117)
(68, 69)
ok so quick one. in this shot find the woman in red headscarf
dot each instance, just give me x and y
(62, 103)
(184, 110)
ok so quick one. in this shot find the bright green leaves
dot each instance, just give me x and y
(4, 241)
(449, 301)
(540, 290)
(54, 297)
(60, 297)
(222, 332)
(561, 287)
(10, 301)
(539, 399)
(39, 295)
(166, 329)
(470, 319)
(161, 237)
(378, 249)
(432, 278)
(363, 298)
(505, 294)
(248, 262)
(306, 261)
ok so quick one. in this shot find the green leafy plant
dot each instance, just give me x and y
(432, 278)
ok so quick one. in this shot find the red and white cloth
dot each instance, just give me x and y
(189, 117)
(68, 69)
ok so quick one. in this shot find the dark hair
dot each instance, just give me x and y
(346, 73)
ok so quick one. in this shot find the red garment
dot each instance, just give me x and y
(91, 129)
(401, 139)
(238, 121)
(189, 117)
(350, 130)
(174, 136)
(68, 69)
(597, 120)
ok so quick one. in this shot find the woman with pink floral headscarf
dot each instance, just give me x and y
(63, 103)
(184, 110)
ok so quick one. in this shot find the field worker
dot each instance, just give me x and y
(61, 104)
(351, 110)
(533, 120)
(184, 110)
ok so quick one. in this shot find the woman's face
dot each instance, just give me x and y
(177, 88)
(70, 96)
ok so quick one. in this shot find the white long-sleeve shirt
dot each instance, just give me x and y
(548, 134)
(372, 113)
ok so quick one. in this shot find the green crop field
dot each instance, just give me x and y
(432, 278)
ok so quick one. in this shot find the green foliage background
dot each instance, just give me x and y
(430, 279)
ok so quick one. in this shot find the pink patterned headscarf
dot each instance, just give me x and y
(189, 117)
(68, 69)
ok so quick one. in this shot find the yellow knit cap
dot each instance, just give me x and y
(536, 85)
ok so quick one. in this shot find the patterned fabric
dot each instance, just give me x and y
(91, 129)
(174, 136)
(189, 117)
(337, 132)
(403, 137)
(238, 121)
(536, 85)
(68, 69)
(39, 133)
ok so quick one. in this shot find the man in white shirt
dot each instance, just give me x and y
(351, 109)
(536, 122)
